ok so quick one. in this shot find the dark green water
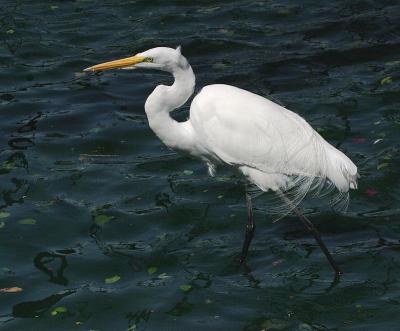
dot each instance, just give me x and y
(128, 235)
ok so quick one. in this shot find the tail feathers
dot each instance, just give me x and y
(341, 171)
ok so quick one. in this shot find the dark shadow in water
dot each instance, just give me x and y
(253, 282)
(56, 276)
(31, 124)
(16, 195)
(183, 307)
(15, 160)
(22, 143)
(32, 309)
(137, 317)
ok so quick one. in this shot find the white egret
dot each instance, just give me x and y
(272, 147)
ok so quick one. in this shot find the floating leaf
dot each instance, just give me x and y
(371, 192)
(102, 219)
(27, 221)
(59, 310)
(163, 276)
(185, 288)
(2, 225)
(152, 270)
(4, 214)
(112, 280)
(11, 289)
(8, 165)
(386, 80)
(220, 196)
(188, 172)
(10, 31)
(382, 165)
(358, 140)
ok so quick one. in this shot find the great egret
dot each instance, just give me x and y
(272, 147)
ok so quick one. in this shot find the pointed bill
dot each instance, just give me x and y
(129, 61)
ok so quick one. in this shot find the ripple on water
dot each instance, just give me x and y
(124, 227)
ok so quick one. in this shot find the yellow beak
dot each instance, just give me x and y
(129, 61)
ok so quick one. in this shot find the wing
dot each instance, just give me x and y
(273, 147)
(243, 129)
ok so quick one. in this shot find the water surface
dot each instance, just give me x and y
(103, 228)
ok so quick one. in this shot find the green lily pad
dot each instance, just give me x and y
(112, 280)
(188, 172)
(102, 219)
(386, 80)
(8, 165)
(2, 225)
(27, 221)
(59, 310)
(4, 214)
(185, 288)
(382, 165)
(152, 270)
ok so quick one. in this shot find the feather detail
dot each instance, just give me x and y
(274, 148)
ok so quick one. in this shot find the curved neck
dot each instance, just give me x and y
(163, 100)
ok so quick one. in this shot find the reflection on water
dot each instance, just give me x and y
(99, 219)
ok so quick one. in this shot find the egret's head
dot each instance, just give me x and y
(161, 58)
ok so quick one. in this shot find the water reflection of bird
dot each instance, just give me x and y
(272, 147)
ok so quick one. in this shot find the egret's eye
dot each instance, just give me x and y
(148, 59)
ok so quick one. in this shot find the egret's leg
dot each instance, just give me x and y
(318, 238)
(250, 228)
(316, 235)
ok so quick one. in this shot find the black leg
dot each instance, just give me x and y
(316, 235)
(250, 228)
(318, 238)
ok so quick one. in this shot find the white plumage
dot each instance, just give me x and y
(274, 148)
